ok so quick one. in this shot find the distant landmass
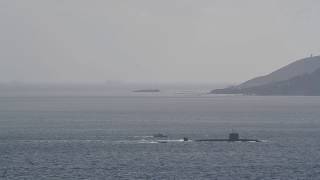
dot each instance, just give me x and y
(298, 78)
(147, 91)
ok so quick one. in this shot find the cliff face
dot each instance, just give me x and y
(305, 81)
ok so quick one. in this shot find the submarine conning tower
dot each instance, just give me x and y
(234, 137)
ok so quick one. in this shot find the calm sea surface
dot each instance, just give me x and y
(109, 137)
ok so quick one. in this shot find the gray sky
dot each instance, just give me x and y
(153, 40)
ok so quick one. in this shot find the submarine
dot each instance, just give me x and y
(233, 137)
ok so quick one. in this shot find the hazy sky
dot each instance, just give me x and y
(153, 40)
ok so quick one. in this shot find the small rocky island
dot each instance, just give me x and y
(147, 91)
(300, 78)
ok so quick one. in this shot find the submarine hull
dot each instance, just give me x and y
(227, 140)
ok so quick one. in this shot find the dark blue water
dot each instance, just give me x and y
(108, 137)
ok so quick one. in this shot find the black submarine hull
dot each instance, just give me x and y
(210, 140)
(227, 140)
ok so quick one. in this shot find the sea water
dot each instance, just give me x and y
(110, 137)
